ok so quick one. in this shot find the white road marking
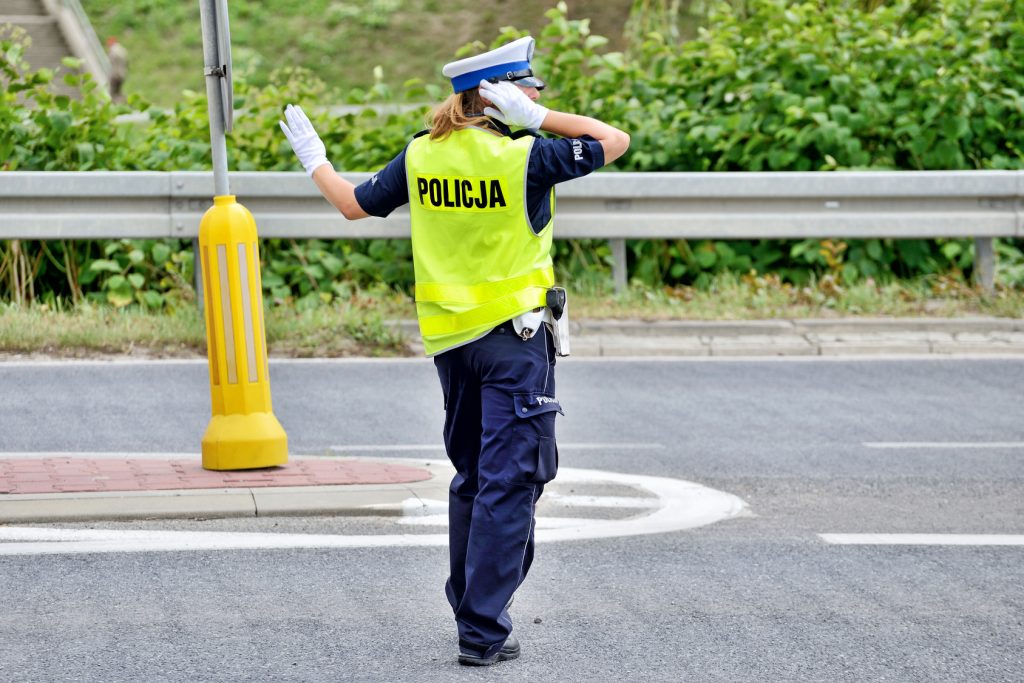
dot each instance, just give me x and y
(428, 447)
(923, 539)
(602, 501)
(681, 505)
(427, 512)
(943, 444)
(43, 541)
(838, 358)
(340, 450)
(542, 522)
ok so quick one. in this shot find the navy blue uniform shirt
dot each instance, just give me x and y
(551, 162)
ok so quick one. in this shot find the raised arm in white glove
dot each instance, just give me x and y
(514, 107)
(307, 144)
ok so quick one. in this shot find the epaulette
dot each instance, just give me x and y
(523, 133)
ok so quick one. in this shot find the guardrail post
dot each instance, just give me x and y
(985, 263)
(618, 264)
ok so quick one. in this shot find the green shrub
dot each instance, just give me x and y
(774, 85)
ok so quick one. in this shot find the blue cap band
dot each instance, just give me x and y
(470, 80)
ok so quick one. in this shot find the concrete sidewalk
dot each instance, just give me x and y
(35, 487)
(803, 337)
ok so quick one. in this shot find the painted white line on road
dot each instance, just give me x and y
(427, 512)
(602, 501)
(681, 505)
(923, 539)
(611, 446)
(45, 541)
(838, 358)
(542, 522)
(943, 444)
(431, 447)
(384, 448)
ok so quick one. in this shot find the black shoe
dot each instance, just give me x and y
(510, 650)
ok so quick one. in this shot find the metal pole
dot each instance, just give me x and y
(619, 275)
(985, 263)
(214, 71)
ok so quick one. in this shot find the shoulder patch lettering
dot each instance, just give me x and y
(577, 150)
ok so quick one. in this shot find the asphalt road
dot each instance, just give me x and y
(813, 446)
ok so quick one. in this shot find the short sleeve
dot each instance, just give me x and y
(386, 190)
(553, 162)
(556, 161)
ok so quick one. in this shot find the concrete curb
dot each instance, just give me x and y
(715, 328)
(804, 337)
(351, 500)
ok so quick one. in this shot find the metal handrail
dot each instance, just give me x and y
(95, 44)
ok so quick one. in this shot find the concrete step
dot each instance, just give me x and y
(47, 47)
(48, 44)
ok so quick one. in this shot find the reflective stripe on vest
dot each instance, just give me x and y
(495, 313)
(484, 292)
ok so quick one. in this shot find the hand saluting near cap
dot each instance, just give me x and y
(514, 107)
(308, 146)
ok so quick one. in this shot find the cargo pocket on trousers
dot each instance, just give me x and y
(536, 427)
(547, 461)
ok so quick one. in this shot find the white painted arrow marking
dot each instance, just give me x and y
(680, 505)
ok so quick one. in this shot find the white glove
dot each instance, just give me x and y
(307, 144)
(514, 107)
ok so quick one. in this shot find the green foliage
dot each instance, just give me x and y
(802, 86)
(773, 85)
(776, 85)
(339, 40)
(47, 132)
(44, 131)
(150, 273)
(312, 272)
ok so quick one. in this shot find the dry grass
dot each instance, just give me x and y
(356, 327)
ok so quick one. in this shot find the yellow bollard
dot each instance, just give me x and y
(243, 432)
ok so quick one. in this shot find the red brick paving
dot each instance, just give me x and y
(68, 475)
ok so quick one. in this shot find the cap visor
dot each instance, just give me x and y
(530, 82)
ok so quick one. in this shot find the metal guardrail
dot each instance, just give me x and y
(612, 206)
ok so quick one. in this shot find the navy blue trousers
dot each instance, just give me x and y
(499, 431)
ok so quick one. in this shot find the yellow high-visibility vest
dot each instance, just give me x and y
(477, 260)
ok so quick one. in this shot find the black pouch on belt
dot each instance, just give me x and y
(556, 301)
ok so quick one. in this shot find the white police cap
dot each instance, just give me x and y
(510, 62)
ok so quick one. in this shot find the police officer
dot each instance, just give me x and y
(480, 187)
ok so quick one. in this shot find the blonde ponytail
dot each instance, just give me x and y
(460, 110)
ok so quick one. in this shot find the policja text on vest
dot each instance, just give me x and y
(441, 192)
